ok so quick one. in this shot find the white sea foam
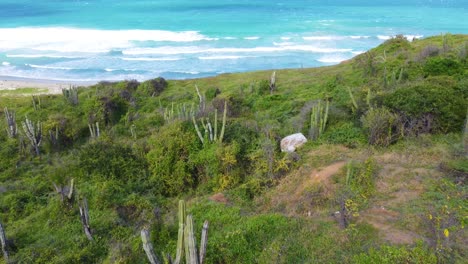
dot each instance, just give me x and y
(411, 37)
(6, 63)
(49, 67)
(41, 56)
(357, 52)
(252, 38)
(150, 59)
(223, 57)
(283, 43)
(195, 50)
(334, 58)
(66, 39)
(285, 38)
(359, 37)
(187, 72)
(321, 38)
(382, 37)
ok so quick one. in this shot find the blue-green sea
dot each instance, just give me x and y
(92, 40)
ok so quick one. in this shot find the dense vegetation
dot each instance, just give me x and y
(383, 181)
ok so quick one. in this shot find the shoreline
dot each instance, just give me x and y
(52, 86)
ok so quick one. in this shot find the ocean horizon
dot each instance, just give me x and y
(179, 39)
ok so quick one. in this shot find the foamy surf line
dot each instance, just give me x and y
(66, 39)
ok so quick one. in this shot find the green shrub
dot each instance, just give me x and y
(380, 125)
(211, 93)
(171, 170)
(345, 133)
(442, 66)
(396, 254)
(111, 161)
(431, 106)
(153, 87)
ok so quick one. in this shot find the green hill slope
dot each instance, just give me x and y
(382, 178)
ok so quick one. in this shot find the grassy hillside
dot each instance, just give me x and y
(382, 178)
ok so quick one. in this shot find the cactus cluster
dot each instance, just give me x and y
(94, 130)
(318, 119)
(210, 132)
(34, 133)
(71, 94)
(36, 100)
(180, 111)
(12, 128)
(185, 243)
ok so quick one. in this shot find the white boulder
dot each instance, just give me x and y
(291, 142)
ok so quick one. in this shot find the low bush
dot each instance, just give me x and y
(345, 133)
(380, 125)
(153, 87)
(431, 106)
(442, 66)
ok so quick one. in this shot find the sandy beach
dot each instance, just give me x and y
(43, 86)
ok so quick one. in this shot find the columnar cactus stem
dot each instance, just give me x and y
(85, 219)
(71, 94)
(3, 241)
(273, 82)
(12, 128)
(224, 122)
(94, 130)
(34, 133)
(210, 134)
(204, 241)
(190, 244)
(318, 120)
(185, 242)
(180, 239)
(148, 247)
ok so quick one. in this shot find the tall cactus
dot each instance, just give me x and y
(71, 94)
(465, 135)
(36, 100)
(12, 128)
(185, 242)
(148, 247)
(84, 215)
(94, 130)
(272, 82)
(34, 133)
(318, 119)
(210, 133)
(3, 241)
(180, 236)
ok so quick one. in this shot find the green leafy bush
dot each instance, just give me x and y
(345, 133)
(111, 161)
(171, 170)
(432, 106)
(442, 66)
(380, 125)
(153, 87)
(396, 254)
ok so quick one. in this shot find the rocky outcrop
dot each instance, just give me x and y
(291, 142)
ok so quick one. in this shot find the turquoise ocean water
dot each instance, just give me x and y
(139, 39)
